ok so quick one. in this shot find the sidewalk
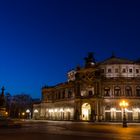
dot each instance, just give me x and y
(97, 123)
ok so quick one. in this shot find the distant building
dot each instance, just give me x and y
(94, 92)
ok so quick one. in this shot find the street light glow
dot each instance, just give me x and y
(27, 111)
(123, 104)
(23, 113)
(6, 113)
(35, 111)
(113, 109)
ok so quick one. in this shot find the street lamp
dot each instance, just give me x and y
(124, 104)
(28, 114)
(36, 113)
(23, 114)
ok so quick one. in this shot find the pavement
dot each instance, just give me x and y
(56, 130)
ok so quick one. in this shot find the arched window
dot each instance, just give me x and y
(138, 91)
(128, 91)
(117, 91)
(59, 95)
(106, 91)
(107, 113)
(91, 91)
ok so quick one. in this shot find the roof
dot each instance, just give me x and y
(116, 60)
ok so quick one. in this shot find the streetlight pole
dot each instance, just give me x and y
(28, 114)
(124, 104)
(124, 119)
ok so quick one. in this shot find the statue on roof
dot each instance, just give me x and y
(113, 54)
(2, 97)
(89, 60)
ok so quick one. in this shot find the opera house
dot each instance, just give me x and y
(94, 93)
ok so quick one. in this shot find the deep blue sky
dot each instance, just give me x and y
(41, 40)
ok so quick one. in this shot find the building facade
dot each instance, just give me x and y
(94, 92)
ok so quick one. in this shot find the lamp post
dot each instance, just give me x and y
(123, 105)
(28, 114)
(23, 114)
(36, 113)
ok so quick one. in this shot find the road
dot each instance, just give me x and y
(58, 130)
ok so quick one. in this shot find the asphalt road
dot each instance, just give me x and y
(37, 130)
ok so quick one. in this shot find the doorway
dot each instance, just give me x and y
(86, 111)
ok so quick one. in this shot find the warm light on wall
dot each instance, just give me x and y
(68, 110)
(85, 112)
(51, 110)
(35, 111)
(27, 111)
(128, 110)
(137, 110)
(61, 110)
(123, 104)
(113, 109)
(6, 113)
(23, 113)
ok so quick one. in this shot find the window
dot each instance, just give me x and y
(137, 70)
(117, 91)
(69, 94)
(138, 91)
(90, 93)
(124, 70)
(109, 70)
(128, 91)
(59, 95)
(116, 70)
(130, 70)
(54, 96)
(63, 94)
(107, 91)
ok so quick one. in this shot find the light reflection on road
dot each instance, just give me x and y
(111, 131)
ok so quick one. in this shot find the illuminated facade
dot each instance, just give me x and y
(94, 92)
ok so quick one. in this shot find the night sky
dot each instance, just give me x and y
(40, 41)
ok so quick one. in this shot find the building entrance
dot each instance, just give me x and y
(86, 111)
